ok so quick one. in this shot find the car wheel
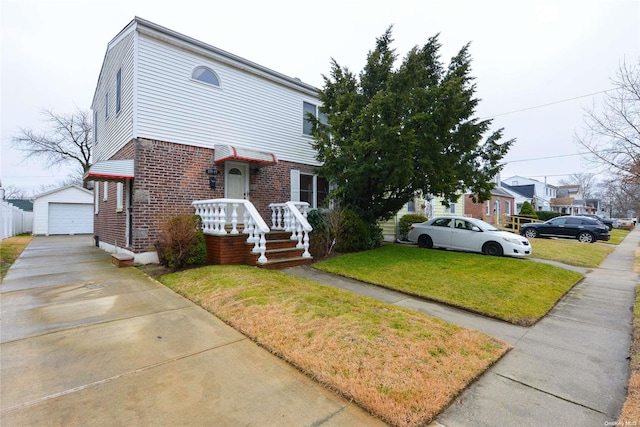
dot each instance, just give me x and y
(585, 237)
(492, 249)
(424, 241)
(530, 233)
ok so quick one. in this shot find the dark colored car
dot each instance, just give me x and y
(611, 223)
(584, 229)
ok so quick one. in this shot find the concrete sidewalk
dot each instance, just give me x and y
(83, 343)
(569, 369)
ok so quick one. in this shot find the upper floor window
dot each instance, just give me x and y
(308, 107)
(118, 90)
(95, 127)
(205, 75)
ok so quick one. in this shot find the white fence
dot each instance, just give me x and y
(14, 221)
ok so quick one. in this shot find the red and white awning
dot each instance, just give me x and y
(110, 170)
(230, 152)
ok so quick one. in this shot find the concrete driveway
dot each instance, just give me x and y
(85, 343)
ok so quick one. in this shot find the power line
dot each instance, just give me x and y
(546, 105)
(545, 158)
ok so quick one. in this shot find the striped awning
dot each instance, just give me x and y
(110, 170)
(230, 152)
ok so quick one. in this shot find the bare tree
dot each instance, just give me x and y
(619, 198)
(586, 181)
(612, 136)
(66, 141)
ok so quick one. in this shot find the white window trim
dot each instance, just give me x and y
(488, 207)
(119, 197)
(96, 199)
(105, 191)
(119, 90)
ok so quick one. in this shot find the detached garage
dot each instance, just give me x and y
(67, 210)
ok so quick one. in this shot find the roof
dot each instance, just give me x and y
(527, 191)
(497, 191)
(62, 189)
(25, 205)
(110, 170)
(159, 32)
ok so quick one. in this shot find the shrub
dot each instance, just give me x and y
(326, 229)
(527, 210)
(405, 223)
(181, 242)
(547, 215)
(356, 234)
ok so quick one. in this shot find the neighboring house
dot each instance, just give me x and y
(500, 205)
(570, 201)
(521, 194)
(25, 205)
(66, 210)
(177, 121)
(542, 194)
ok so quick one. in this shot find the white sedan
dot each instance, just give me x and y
(468, 234)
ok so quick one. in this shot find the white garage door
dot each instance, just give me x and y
(70, 218)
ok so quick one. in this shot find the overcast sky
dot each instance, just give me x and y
(537, 64)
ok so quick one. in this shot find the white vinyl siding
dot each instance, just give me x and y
(249, 110)
(118, 129)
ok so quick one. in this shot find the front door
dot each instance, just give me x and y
(236, 185)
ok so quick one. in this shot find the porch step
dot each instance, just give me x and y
(276, 264)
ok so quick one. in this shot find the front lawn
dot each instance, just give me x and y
(618, 235)
(403, 366)
(516, 290)
(571, 252)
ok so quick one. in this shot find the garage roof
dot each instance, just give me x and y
(110, 170)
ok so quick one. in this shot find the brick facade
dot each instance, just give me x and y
(168, 177)
(479, 210)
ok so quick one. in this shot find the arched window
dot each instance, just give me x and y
(205, 75)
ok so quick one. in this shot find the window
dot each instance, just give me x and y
(96, 204)
(306, 123)
(442, 222)
(119, 194)
(488, 204)
(507, 207)
(205, 75)
(95, 127)
(118, 90)
(104, 191)
(451, 208)
(411, 206)
(106, 105)
(312, 189)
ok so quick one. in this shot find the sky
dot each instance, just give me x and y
(537, 64)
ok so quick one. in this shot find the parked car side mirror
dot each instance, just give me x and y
(475, 228)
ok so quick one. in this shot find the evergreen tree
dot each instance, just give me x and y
(392, 132)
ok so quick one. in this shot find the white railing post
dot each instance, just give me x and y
(214, 219)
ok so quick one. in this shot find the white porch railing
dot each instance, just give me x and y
(216, 212)
(292, 216)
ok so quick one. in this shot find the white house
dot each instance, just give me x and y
(542, 194)
(177, 120)
(66, 210)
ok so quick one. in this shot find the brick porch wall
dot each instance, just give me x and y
(168, 177)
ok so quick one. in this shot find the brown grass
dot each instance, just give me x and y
(402, 366)
(10, 250)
